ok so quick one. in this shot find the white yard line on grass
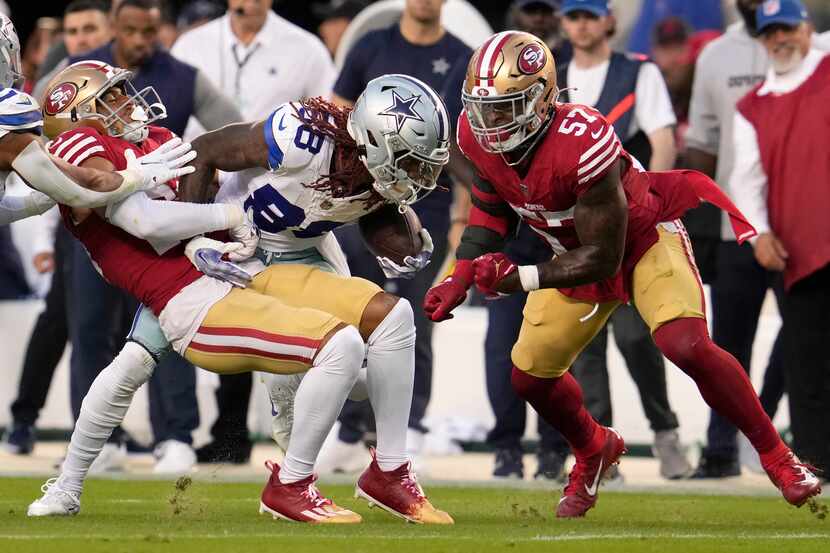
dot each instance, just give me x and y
(417, 537)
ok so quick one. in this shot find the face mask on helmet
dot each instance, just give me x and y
(126, 113)
(11, 68)
(503, 123)
(408, 179)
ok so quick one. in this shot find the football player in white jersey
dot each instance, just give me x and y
(307, 174)
(22, 151)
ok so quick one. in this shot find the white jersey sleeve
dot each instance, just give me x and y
(291, 144)
(19, 112)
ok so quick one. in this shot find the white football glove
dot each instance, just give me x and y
(247, 234)
(206, 255)
(411, 265)
(167, 162)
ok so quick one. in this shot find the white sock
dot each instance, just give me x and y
(390, 374)
(102, 410)
(319, 399)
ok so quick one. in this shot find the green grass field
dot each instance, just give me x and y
(135, 516)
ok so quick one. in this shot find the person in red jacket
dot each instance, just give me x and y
(782, 182)
(615, 236)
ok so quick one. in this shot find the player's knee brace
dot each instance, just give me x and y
(343, 352)
(396, 331)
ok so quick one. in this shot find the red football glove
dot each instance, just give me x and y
(490, 270)
(450, 293)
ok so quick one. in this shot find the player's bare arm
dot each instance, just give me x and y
(232, 148)
(601, 220)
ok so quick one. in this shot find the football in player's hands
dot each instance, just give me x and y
(389, 233)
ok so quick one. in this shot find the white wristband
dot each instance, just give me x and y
(529, 277)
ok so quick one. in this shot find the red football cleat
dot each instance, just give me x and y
(399, 493)
(795, 479)
(301, 501)
(581, 492)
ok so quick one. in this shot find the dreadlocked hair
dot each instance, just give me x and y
(348, 176)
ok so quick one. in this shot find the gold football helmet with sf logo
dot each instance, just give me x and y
(510, 90)
(96, 94)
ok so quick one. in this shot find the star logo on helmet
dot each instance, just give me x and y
(402, 109)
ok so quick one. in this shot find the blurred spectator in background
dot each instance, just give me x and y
(168, 32)
(335, 17)
(418, 46)
(47, 32)
(781, 182)
(103, 313)
(630, 92)
(541, 18)
(197, 13)
(699, 14)
(260, 60)
(725, 71)
(85, 27)
(675, 49)
(13, 284)
(47, 341)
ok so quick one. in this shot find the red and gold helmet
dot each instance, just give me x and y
(510, 90)
(74, 98)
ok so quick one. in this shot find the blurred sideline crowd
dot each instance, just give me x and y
(668, 75)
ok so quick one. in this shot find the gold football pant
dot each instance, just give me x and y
(277, 324)
(556, 328)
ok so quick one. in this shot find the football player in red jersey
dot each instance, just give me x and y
(135, 244)
(615, 236)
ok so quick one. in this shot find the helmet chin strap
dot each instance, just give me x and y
(529, 148)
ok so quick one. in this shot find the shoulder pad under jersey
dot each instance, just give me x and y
(291, 144)
(19, 112)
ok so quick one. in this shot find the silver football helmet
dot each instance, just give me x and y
(403, 125)
(11, 69)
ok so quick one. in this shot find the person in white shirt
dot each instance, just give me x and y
(631, 93)
(781, 183)
(259, 60)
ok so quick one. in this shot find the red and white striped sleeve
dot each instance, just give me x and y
(78, 145)
(599, 148)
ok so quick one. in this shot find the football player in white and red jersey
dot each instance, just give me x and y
(280, 324)
(615, 237)
(22, 151)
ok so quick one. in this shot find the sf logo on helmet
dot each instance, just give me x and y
(61, 96)
(532, 59)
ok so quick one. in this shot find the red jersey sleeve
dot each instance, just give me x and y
(77, 145)
(588, 145)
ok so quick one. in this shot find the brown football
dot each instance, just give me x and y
(388, 233)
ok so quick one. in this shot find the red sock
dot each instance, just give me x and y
(720, 378)
(559, 402)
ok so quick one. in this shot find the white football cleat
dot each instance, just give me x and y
(55, 501)
(174, 457)
(112, 458)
